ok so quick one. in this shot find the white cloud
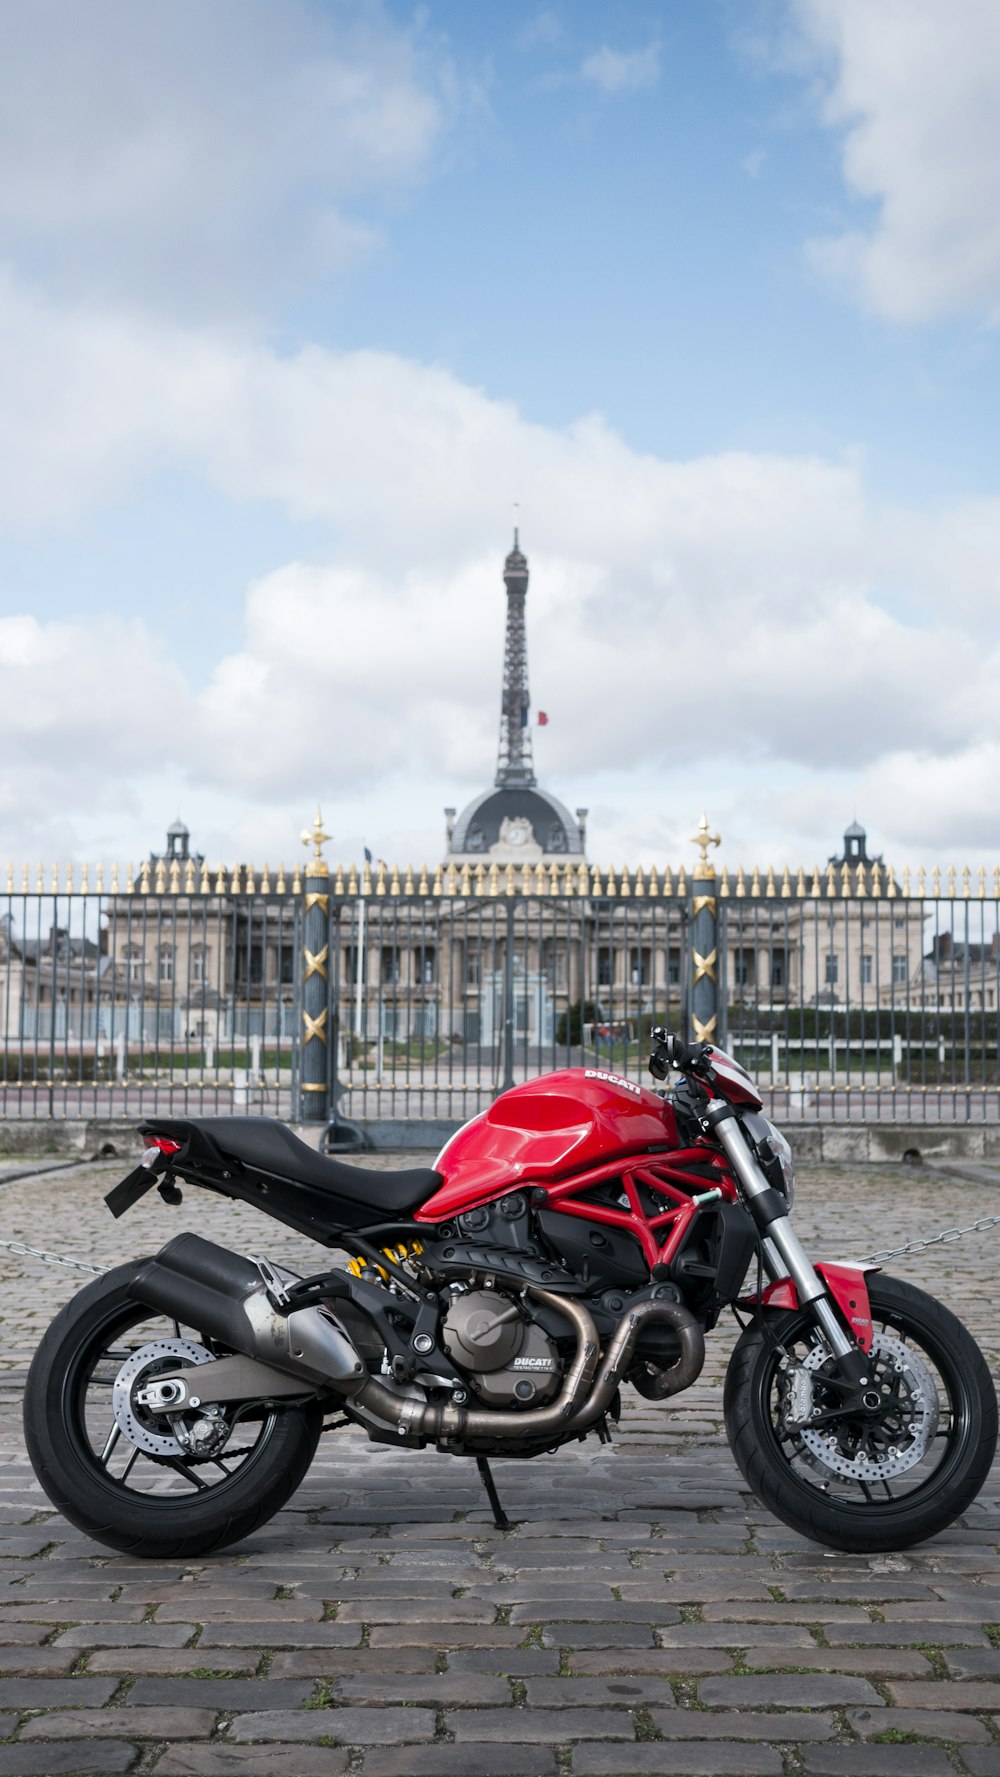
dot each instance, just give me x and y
(728, 621)
(203, 157)
(913, 88)
(622, 71)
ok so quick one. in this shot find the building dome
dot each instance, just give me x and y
(516, 820)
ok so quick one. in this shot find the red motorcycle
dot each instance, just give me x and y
(581, 1234)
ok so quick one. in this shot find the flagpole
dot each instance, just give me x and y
(359, 972)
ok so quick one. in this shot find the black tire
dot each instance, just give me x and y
(68, 1399)
(875, 1513)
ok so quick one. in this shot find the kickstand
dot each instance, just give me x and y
(500, 1517)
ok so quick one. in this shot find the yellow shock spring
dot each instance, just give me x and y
(397, 1255)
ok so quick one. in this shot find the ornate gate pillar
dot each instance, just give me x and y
(314, 1073)
(704, 908)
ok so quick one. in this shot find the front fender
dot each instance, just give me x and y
(847, 1286)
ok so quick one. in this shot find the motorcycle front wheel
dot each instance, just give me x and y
(125, 1476)
(874, 1484)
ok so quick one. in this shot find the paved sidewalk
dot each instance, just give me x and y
(646, 1615)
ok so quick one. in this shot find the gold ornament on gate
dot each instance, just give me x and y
(317, 838)
(703, 839)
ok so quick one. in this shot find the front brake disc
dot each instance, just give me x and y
(915, 1401)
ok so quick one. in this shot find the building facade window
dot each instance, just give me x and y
(832, 970)
(900, 970)
(866, 970)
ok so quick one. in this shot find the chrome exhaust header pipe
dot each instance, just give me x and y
(580, 1402)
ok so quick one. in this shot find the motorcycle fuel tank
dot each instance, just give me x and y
(560, 1123)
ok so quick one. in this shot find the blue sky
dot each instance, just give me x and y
(288, 323)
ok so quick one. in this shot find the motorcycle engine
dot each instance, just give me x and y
(511, 1361)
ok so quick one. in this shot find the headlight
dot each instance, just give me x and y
(783, 1156)
(774, 1156)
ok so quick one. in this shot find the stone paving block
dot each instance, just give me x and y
(783, 1613)
(55, 1693)
(911, 1760)
(37, 1662)
(349, 1662)
(982, 1761)
(279, 1611)
(973, 1662)
(572, 1635)
(702, 1724)
(115, 1635)
(417, 1610)
(103, 1758)
(758, 1635)
(488, 1759)
(175, 1662)
(21, 1635)
(626, 1691)
(717, 1758)
(873, 1662)
(218, 1693)
(349, 1727)
(246, 1761)
(905, 1634)
(552, 1726)
(144, 1724)
(981, 1696)
(438, 1690)
(523, 1662)
(930, 1724)
(788, 1690)
(217, 1635)
(663, 1660)
(443, 1635)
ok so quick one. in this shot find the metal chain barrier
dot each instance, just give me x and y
(37, 1252)
(944, 1239)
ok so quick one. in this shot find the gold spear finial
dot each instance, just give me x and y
(703, 839)
(317, 838)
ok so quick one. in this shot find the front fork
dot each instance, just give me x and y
(770, 1212)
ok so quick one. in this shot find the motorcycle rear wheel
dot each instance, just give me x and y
(111, 1487)
(941, 1410)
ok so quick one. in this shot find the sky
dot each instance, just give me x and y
(299, 297)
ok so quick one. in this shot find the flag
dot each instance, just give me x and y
(368, 856)
(542, 719)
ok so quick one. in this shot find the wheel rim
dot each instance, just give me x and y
(893, 1462)
(119, 1462)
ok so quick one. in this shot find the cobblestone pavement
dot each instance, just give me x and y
(646, 1615)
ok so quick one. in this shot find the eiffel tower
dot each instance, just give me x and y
(516, 818)
(514, 760)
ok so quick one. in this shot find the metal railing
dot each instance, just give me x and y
(385, 994)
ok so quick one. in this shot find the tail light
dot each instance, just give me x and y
(165, 1145)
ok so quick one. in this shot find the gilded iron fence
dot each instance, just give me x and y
(399, 995)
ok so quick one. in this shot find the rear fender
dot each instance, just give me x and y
(847, 1286)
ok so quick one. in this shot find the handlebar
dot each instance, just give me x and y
(672, 1051)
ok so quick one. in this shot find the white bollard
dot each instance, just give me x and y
(121, 1055)
(255, 1058)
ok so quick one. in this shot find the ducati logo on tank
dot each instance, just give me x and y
(597, 1073)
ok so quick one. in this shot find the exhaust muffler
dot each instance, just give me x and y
(223, 1294)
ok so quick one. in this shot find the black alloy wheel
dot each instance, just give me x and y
(119, 1472)
(880, 1480)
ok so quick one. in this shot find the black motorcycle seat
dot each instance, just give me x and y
(265, 1143)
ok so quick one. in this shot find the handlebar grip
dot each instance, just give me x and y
(672, 1051)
